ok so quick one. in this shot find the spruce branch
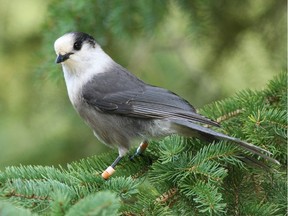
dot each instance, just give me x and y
(207, 198)
(6, 209)
(102, 203)
(175, 176)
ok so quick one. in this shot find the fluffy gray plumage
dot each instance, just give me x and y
(121, 108)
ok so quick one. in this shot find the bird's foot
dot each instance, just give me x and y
(142, 147)
(110, 170)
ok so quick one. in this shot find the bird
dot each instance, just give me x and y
(121, 108)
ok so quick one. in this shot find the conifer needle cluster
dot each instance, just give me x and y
(175, 176)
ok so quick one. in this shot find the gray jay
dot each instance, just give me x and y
(120, 108)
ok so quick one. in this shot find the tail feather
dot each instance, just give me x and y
(190, 129)
(254, 163)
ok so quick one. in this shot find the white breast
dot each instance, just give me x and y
(78, 73)
(73, 85)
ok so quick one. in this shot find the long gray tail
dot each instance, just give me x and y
(189, 129)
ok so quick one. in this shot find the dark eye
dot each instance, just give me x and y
(77, 45)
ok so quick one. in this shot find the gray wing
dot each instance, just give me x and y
(137, 99)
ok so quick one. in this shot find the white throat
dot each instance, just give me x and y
(77, 72)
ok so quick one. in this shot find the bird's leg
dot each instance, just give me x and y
(142, 147)
(110, 170)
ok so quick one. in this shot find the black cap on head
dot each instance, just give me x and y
(80, 38)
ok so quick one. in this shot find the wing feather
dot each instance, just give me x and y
(145, 102)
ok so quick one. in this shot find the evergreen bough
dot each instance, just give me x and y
(176, 176)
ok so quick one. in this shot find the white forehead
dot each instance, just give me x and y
(64, 44)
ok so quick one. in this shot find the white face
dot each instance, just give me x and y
(81, 56)
(64, 44)
(74, 48)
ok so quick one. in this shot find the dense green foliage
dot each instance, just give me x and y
(200, 41)
(213, 48)
(176, 176)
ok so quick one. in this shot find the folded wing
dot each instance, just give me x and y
(145, 102)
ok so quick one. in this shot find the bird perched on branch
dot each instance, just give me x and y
(120, 108)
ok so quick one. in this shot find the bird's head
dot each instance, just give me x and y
(75, 47)
(79, 54)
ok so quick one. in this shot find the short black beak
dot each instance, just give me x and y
(61, 58)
